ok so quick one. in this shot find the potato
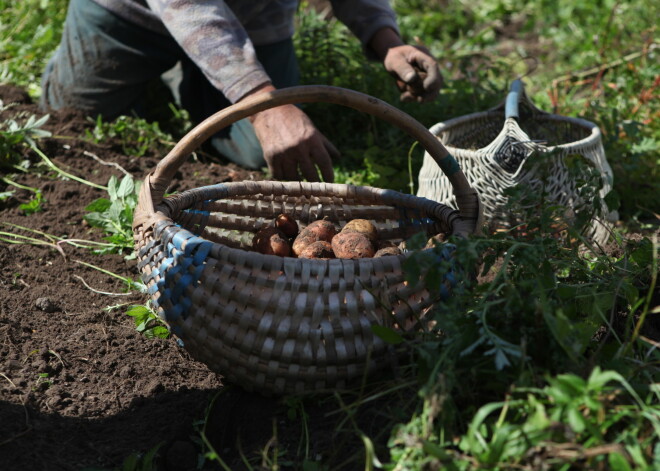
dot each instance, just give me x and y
(287, 225)
(322, 229)
(363, 226)
(352, 245)
(436, 239)
(271, 241)
(302, 241)
(393, 250)
(320, 249)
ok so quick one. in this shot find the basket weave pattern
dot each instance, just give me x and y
(493, 150)
(282, 324)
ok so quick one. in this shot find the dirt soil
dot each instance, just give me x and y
(80, 388)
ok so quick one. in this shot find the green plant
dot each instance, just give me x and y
(137, 136)
(42, 382)
(115, 215)
(31, 207)
(147, 322)
(15, 135)
(131, 285)
(30, 31)
(516, 369)
(208, 451)
(17, 236)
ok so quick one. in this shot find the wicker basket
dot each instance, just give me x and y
(282, 324)
(493, 148)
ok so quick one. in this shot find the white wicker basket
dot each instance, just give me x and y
(493, 149)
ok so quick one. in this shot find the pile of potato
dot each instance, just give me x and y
(321, 240)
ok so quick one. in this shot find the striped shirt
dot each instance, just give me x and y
(218, 36)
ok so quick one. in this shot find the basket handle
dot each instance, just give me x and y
(513, 99)
(157, 182)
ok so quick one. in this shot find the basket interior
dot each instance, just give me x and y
(483, 128)
(210, 213)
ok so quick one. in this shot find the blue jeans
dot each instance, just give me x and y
(104, 64)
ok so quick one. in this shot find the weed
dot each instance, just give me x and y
(15, 135)
(147, 322)
(40, 238)
(29, 32)
(130, 284)
(42, 382)
(115, 215)
(137, 136)
(534, 332)
(34, 205)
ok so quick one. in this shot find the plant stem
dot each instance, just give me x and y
(18, 185)
(66, 174)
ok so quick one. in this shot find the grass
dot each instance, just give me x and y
(543, 362)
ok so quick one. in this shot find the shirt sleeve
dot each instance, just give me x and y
(364, 17)
(213, 38)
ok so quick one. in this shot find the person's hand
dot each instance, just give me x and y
(416, 72)
(414, 68)
(293, 148)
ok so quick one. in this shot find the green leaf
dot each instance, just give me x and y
(439, 452)
(136, 311)
(387, 334)
(112, 188)
(618, 461)
(576, 420)
(126, 187)
(98, 205)
(643, 254)
(574, 337)
(95, 219)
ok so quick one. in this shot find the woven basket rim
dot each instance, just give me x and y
(445, 126)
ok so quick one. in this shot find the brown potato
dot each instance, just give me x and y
(322, 229)
(320, 249)
(436, 239)
(314, 232)
(271, 241)
(363, 226)
(287, 225)
(302, 241)
(352, 245)
(392, 250)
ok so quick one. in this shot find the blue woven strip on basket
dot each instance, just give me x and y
(198, 248)
(183, 251)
